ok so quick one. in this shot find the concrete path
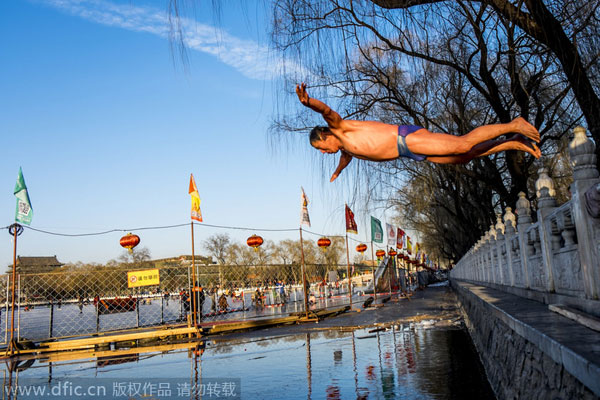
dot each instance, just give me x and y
(435, 304)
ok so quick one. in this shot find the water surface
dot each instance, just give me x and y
(404, 361)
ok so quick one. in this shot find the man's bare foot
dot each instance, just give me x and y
(525, 128)
(519, 142)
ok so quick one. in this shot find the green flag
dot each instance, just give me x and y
(376, 230)
(24, 212)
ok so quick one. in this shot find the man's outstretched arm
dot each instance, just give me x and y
(344, 161)
(332, 118)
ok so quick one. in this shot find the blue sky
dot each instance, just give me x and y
(107, 124)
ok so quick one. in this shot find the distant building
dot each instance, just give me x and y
(36, 265)
(184, 260)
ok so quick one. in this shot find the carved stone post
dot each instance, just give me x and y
(500, 242)
(509, 231)
(492, 254)
(546, 204)
(478, 252)
(524, 221)
(486, 257)
(585, 175)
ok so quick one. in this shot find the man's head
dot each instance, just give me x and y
(322, 139)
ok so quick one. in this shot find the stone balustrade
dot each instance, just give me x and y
(559, 254)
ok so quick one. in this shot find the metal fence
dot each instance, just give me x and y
(75, 302)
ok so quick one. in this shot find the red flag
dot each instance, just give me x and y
(350, 223)
(400, 239)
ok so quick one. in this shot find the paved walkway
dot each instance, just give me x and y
(435, 304)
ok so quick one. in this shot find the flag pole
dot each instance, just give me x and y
(303, 274)
(12, 343)
(373, 271)
(193, 279)
(348, 271)
(390, 273)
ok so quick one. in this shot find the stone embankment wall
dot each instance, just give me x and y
(520, 361)
(554, 260)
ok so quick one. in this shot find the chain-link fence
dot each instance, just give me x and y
(77, 302)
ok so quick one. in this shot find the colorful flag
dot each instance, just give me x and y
(408, 245)
(376, 230)
(400, 239)
(196, 213)
(391, 234)
(24, 212)
(304, 218)
(350, 223)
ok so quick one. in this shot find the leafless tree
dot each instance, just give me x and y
(218, 246)
(570, 30)
(137, 256)
(449, 68)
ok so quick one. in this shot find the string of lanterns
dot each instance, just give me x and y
(130, 241)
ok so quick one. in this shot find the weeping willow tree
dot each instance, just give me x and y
(448, 67)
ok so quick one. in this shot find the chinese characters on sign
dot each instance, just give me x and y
(143, 278)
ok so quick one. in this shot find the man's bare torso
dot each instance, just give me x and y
(368, 140)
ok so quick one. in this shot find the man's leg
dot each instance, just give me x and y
(441, 144)
(516, 142)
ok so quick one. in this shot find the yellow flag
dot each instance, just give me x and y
(196, 213)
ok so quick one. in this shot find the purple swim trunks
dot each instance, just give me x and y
(403, 151)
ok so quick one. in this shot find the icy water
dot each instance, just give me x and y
(402, 362)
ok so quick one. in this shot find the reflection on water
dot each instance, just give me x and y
(403, 361)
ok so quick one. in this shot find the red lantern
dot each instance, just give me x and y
(324, 243)
(392, 253)
(129, 241)
(361, 248)
(380, 253)
(254, 241)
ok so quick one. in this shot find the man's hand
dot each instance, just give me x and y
(344, 161)
(302, 95)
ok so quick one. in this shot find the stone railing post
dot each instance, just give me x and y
(500, 243)
(546, 204)
(509, 232)
(491, 253)
(585, 175)
(478, 253)
(523, 222)
(485, 255)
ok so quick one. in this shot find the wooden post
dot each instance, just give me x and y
(137, 311)
(304, 287)
(348, 272)
(389, 267)
(51, 319)
(193, 288)
(162, 309)
(373, 271)
(98, 315)
(12, 343)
